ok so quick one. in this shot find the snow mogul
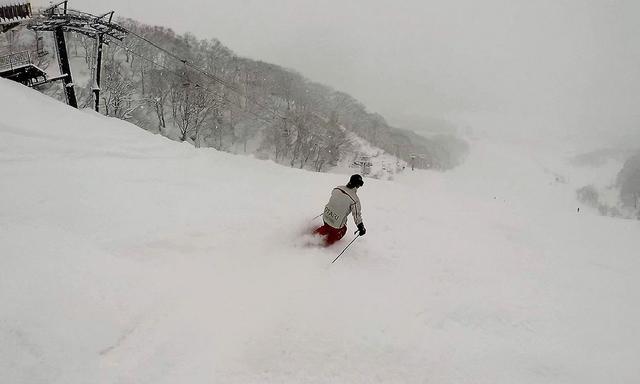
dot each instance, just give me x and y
(344, 200)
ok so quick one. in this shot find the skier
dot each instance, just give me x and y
(343, 201)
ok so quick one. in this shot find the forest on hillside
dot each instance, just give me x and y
(621, 197)
(199, 91)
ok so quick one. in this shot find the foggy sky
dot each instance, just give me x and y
(574, 64)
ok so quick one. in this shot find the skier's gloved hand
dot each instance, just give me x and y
(361, 229)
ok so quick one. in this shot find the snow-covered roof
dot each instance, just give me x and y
(14, 10)
(5, 3)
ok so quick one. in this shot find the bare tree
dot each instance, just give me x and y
(190, 106)
(159, 90)
(117, 92)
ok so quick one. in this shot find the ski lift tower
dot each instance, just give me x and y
(363, 162)
(420, 159)
(413, 161)
(59, 19)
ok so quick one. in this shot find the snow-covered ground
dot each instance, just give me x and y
(129, 258)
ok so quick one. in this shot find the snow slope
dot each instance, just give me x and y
(128, 258)
(383, 165)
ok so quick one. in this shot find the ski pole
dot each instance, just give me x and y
(316, 217)
(345, 248)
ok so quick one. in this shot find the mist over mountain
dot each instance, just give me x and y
(239, 105)
(574, 66)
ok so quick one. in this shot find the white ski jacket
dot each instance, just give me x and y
(342, 202)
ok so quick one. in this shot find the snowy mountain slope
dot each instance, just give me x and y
(381, 165)
(126, 257)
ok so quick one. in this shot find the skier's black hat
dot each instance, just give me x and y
(355, 181)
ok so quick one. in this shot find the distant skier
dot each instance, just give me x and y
(343, 201)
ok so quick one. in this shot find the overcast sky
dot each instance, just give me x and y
(572, 62)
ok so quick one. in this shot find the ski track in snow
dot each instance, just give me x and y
(128, 258)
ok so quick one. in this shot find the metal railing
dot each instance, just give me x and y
(15, 60)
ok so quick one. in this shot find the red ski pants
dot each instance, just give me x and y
(331, 235)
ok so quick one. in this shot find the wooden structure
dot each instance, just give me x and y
(20, 67)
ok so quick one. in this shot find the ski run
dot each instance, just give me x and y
(129, 258)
